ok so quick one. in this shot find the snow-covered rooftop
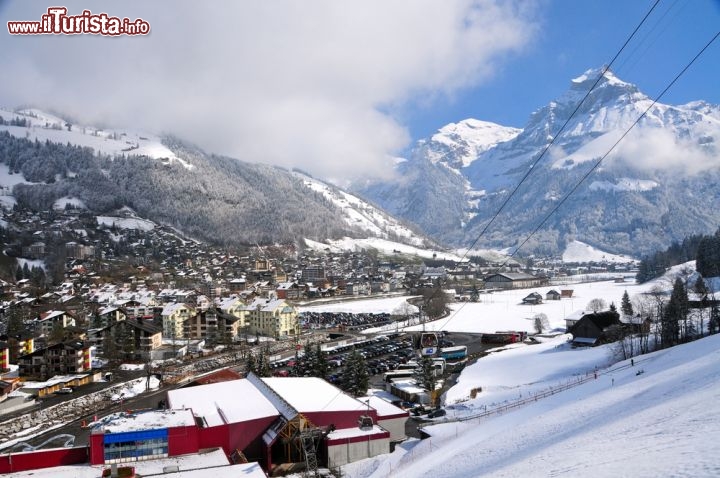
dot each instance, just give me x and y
(224, 402)
(383, 407)
(145, 420)
(211, 464)
(354, 432)
(311, 394)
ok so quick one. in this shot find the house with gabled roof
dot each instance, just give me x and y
(174, 316)
(110, 315)
(135, 339)
(593, 327)
(288, 291)
(512, 280)
(532, 299)
(552, 295)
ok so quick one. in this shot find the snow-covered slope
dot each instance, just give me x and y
(658, 423)
(580, 252)
(45, 126)
(384, 246)
(362, 215)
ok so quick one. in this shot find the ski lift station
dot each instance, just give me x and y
(301, 422)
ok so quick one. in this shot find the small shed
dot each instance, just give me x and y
(552, 295)
(532, 299)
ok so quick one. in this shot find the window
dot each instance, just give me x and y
(135, 446)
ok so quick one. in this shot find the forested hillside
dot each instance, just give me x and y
(220, 200)
(705, 250)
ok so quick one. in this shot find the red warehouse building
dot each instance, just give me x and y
(268, 420)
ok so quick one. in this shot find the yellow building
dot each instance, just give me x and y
(272, 317)
(174, 317)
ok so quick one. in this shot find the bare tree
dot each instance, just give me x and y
(596, 305)
(434, 302)
(541, 323)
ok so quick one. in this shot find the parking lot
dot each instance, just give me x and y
(382, 353)
(343, 320)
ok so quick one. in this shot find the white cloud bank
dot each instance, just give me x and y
(295, 83)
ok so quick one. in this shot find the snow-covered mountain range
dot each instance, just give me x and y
(217, 199)
(656, 186)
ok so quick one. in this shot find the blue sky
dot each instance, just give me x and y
(578, 35)
(339, 88)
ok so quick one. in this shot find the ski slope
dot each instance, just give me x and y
(662, 422)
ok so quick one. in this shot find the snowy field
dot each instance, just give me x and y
(577, 251)
(497, 311)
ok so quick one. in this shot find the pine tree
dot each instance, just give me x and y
(700, 287)
(355, 375)
(251, 363)
(262, 368)
(675, 312)
(714, 322)
(321, 368)
(425, 374)
(15, 322)
(626, 305)
(308, 362)
(57, 334)
(612, 307)
(127, 342)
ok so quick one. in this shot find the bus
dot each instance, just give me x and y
(398, 374)
(454, 353)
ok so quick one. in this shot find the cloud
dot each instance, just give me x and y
(310, 84)
(663, 149)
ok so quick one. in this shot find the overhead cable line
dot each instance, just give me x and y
(651, 37)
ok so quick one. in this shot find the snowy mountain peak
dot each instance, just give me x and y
(459, 144)
(589, 78)
(609, 89)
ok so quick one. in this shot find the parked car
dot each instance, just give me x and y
(64, 391)
(419, 410)
(438, 412)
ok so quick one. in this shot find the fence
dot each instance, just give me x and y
(498, 410)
